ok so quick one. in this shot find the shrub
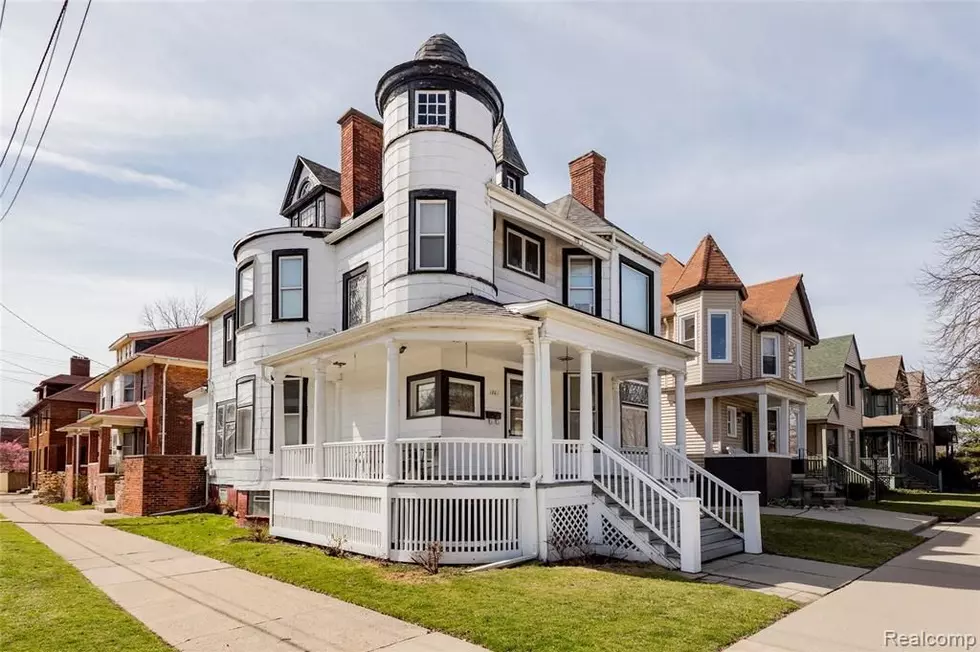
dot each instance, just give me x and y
(337, 546)
(429, 557)
(858, 491)
(258, 532)
(81, 490)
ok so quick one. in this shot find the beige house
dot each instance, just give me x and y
(920, 419)
(746, 393)
(835, 416)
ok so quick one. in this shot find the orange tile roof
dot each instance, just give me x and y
(882, 373)
(190, 345)
(670, 271)
(708, 269)
(767, 301)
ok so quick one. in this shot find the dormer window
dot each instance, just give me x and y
(511, 183)
(432, 108)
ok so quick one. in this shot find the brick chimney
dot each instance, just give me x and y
(79, 366)
(588, 173)
(360, 161)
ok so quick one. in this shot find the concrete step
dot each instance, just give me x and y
(105, 508)
(720, 549)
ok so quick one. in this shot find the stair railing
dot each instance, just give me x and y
(843, 475)
(924, 475)
(719, 500)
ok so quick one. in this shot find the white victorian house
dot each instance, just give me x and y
(402, 363)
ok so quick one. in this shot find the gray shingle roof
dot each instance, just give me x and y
(440, 47)
(505, 149)
(819, 408)
(324, 175)
(827, 359)
(470, 304)
(577, 213)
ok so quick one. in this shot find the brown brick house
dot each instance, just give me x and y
(60, 401)
(138, 446)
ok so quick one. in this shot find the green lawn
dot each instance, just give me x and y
(72, 506)
(837, 543)
(948, 507)
(47, 605)
(624, 607)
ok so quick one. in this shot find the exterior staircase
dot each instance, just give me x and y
(817, 491)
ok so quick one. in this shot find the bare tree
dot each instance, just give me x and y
(954, 288)
(24, 405)
(174, 312)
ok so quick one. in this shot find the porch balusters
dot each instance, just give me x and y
(319, 417)
(680, 411)
(529, 413)
(585, 412)
(391, 411)
(278, 423)
(654, 425)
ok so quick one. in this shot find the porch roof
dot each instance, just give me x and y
(822, 408)
(774, 386)
(125, 416)
(883, 421)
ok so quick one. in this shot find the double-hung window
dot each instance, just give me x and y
(246, 296)
(849, 389)
(293, 399)
(687, 331)
(732, 424)
(431, 234)
(224, 429)
(572, 400)
(244, 416)
(633, 413)
(524, 252)
(128, 388)
(432, 109)
(289, 279)
(635, 296)
(581, 283)
(514, 400)
(770, 355)
(228, 337)
(794, 359)
(719, 336)
(355, 310)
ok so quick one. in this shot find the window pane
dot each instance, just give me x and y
(769, 346)
(290, 304)
(357, 299)
(432, 253)
(462, 397)
(291, 390)
(245, 282)
(432, 217)
(514, 250)
(244, 393)
(632, 392)
(580, 273)
(291, 272)
(516, 392)
(247, 311)
(690, 330)
(425, 396)
(719, 336)
(244, 436)
(532, 257)
(635, 302)
(634, 431)
(293, 434)
(581, 300)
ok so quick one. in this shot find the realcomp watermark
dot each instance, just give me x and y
(928, 639)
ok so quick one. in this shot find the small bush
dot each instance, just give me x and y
(258, 532)
(81, 491)
(336, 547)
(429, 557)
(858, 491)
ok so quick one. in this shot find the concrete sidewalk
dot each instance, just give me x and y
(799, 580)
(199, 604)
(858, 516)
(933, 589)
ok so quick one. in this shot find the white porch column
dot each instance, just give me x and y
(654, 424)
(319, 417)
(391, 411)
(527, 400)
(823, 443)
(782, 437)
(680, 411)
(801, 431)
(614, 404)
(763, 440)
(585, 432)
(546, 433)
(709, 425)
(338, 428)
(278, 423)
(890, 449)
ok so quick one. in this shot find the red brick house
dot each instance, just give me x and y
(60, 401)
(15, 435)
(138, 446)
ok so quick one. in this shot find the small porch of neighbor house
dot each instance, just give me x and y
(77, 441)
(477, 433)
(890, 449)
(750, 431)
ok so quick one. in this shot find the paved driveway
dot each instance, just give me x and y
(198, 604)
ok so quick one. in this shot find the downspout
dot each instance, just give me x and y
(163, 424)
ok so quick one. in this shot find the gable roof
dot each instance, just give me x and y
(918, 390)
(882, 373)
(505, 149)
(767, 302)
(142, 335)
(822, 408)
(191, 345)
(324, 177)
(828, 358)
(707, 269)
(61, 379)
(670, 270)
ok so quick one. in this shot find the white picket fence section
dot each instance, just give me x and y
(353, 460)
(458, 459)
(719, 499)
(297, 461)
(566, 455)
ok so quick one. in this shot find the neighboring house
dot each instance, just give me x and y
(946, 440)
(15, 435)
(137, 449)
(836, 415)
(60, 401)
(745, 393)
(920, 420)
(886, 434)
(401, 365)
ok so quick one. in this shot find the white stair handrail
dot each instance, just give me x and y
(719, 500)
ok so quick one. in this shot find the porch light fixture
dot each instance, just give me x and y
(339, 364)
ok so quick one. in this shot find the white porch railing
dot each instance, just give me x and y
(638, 456)
(353, 460)
(566, 454)
(460, 460)
(719, 500)
(297, 461)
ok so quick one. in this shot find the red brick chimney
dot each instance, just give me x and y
(360, 161)
(79, 366)
(588, 173)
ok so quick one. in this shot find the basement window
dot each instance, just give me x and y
(258, 503)
(432, 108)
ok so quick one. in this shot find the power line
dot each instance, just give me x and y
(21, 367)
(37, 103)
(54, 30)
(47, 122)
(40, 332)
(16, 380)
(30, 355)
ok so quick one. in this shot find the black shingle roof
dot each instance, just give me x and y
(440, 47)
(324, 175)
(470, 304)
(505, 149)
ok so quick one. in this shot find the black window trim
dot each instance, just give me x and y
(850, 388)
(449, 196)
(231, 316)
(304, 388)
(542, 256)
(651, 293)
(250, 262)
(290, 253)
(239, 381)
(569, 252)
(450, 106)
(508, 373)
(345, 309)
(566, 399)
(442, 378)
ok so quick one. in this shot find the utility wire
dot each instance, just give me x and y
(40, 332)
(21, 367)
(30, 355)
(16, 380)
(3, 10)
(37, 103)
(47, 122)
(54, 30)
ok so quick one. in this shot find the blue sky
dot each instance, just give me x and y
(830, 139)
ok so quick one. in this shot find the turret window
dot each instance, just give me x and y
(432, 108)
(289, 282)
(431, 223)
(246, 296)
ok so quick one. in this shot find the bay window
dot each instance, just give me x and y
(794, 359)
(636, 300)
(244, 415)
(688, 331)
(446, 394)
(770, 354)
(719, 336)
(290, 298)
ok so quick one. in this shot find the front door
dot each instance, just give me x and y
(747, 432)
